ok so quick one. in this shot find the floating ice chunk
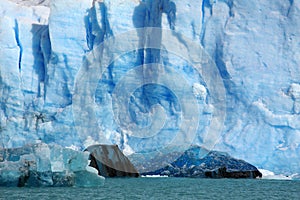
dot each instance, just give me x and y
(266, 174)
(154, 176)
(88, 178)
(46, 165)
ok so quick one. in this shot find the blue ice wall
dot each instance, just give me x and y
(254, 45)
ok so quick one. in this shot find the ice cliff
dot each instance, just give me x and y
(46, 47)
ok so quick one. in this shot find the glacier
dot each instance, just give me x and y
(46, 47)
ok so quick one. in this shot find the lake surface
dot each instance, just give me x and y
(166, 188)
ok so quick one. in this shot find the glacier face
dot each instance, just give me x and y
(44, 50)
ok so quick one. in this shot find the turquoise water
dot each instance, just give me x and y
(166, 188)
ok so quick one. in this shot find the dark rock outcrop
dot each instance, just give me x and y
(110, 161)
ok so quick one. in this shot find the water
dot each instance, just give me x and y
(166, 188)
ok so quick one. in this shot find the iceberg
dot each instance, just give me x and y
(43, 165)
(221, 74)
(109, 161)
(193, 163)
(266, 174)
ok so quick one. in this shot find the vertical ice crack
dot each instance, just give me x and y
(205, 3)
(105, 22)
(230, 5)
(290, 7)
(97, 24)
(16, 29)
(88, 28)
(202, 23)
